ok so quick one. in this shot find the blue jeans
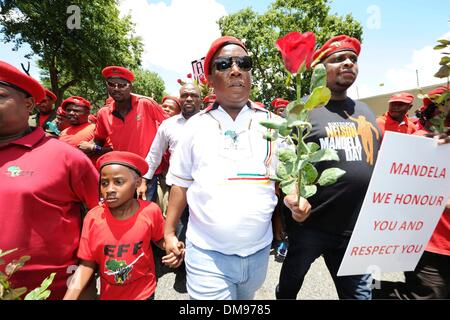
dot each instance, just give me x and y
(152, 186)
(212, 275)
(305, 246)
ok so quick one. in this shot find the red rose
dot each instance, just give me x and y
(202, 79)
(296, 49)
(189, 75)
(179, 81)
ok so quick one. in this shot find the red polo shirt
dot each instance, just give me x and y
(43, 182)
(136, 132)
(73, 135)
(386, 123)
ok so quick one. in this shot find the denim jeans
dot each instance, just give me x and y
(305, 246)
(212, 275)
(152, 186)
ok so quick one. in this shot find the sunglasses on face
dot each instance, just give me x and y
(243, 62)
(117, 85)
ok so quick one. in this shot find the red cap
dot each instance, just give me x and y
(210, 98)
(439, 90)
(118, 72)
(60, 112)
(279, 102)
(337, 44)
(79, 101)
(402, 97)
(124, 158)
(50, 94)
(172, 98)
(216, 46)
(12, 76)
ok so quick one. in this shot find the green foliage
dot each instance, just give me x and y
(72, 57)
(296, 170)
(9, 293)
(260, 32)
(149, 84)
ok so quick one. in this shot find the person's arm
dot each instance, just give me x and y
(177, 203)
(80, 279)
(94, 147)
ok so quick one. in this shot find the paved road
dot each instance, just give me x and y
(318, 284)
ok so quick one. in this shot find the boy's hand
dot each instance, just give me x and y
(172, 259)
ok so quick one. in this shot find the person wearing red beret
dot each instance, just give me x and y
(61, 119)
(279, 105)
(117, 235)
(45, 111)
(220, 168)
(77, 111)
(44, 184)
(396, 119)
(129, 122)
(171, 105)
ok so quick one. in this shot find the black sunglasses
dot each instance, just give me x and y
(117, 84)
(225, 62)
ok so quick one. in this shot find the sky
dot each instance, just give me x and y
(398, 38)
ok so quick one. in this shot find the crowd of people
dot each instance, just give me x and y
(79, 191)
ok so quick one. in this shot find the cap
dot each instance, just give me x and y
(337, 44)
(50, 94)
(16, 79)
(279, 103)
(124, 158)
(172, 98)
(402, 97)
(118, 72)
(216, 46)
(79, 101)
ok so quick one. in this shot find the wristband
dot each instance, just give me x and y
(97, 148)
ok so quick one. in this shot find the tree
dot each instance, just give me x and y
(260, 31)
(149, 84)
(73, 39)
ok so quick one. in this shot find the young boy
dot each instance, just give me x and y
(117, 234)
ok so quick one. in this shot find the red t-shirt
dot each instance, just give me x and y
(73, 135)
(440, 239)
(43, 182)
(43, 119)
(122, 250)
(135, 133)
(386, 123)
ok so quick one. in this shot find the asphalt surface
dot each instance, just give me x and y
(318, 284)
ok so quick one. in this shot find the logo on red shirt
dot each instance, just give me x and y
(15, 171)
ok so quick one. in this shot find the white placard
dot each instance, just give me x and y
(407, 194)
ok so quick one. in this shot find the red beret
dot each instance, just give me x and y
(79, 101)
(21, 81)
(216, 46)
(124, 158)
(402, 97)
(119, 72)
(172, 98)
(439, 90)
(50, 94)
(210, 98)
(337, 44)
(279, 103)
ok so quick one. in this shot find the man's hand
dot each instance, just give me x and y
(86, 146)
(142, 189)
(174, 250)
(300, 211)
(442, 138)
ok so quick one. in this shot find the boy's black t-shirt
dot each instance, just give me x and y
(350, 128)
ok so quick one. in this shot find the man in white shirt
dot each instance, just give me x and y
(221, 168)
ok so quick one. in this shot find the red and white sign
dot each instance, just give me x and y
(198, 68)
(407, 194)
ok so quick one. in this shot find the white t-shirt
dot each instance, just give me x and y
(225, 165)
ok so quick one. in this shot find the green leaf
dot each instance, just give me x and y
(285, 155)
(444, 41)
(284, 130)
(273, 123)
(318, 98)
(443, 72)
(300, 124)
(308, 191)
(41, 293)
(330, 176)
(271, 136)
(282, 172)
(2, 254)
(319, 77)
(294, 108)
(309, 174)
(288, 186)
(444, 61)
(313, 147)
(324, 155)
(14, 294)
(440, 46)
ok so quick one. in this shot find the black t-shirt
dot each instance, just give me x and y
(350, 128)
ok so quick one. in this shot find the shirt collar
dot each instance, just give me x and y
(30, 139)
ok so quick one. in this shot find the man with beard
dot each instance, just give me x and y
(129, 121)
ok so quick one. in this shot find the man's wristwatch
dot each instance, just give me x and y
(97, 148)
